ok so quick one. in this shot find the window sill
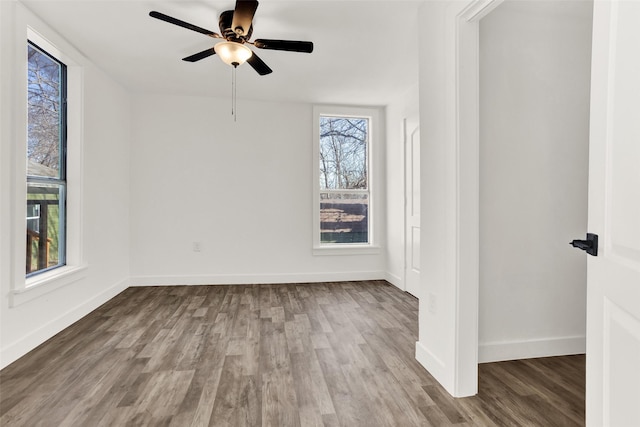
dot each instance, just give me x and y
(42, 284)
(346, 250)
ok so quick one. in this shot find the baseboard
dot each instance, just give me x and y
(513, 350)
(250, 279)
(30, 341)
(434, 366)
(395, 280)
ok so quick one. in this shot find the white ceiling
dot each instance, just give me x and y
(364, 51)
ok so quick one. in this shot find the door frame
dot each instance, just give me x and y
(449, 120)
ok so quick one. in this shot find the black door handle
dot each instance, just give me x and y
(590, 245)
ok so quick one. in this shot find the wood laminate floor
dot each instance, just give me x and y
(331, 354)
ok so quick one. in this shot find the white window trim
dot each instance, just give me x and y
(28, 27)
(375, 123)
(49, 281)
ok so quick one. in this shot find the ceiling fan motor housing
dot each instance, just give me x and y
(225, 24)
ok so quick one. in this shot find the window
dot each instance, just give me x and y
(344, 189)
(46, 161)
(343, 196)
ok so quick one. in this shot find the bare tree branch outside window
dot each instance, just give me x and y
(43, 143)
(343, 153)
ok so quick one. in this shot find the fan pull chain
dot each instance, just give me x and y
(234, 102)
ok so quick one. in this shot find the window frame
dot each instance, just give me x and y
(373, 115)
(27, 27)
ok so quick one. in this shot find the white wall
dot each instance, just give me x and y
(534, 123)
(436, 348)
(402, 107)
(242, 189)
(40, 313)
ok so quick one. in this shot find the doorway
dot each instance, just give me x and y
(535, 62)
(449, 109)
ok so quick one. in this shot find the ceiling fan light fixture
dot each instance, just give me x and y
(232, 53)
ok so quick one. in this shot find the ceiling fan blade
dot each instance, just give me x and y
(243, 15)
(200, 55)
(288, 45)
(179, 23)
(259, 65)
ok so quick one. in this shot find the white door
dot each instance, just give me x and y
(412, 205)
(613, 290)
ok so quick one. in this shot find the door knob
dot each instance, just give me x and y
(590, 245)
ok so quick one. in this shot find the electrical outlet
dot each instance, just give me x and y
(197, 246)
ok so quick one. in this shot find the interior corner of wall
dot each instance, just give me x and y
(395, 280)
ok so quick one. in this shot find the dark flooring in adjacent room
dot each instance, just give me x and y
(328, 354)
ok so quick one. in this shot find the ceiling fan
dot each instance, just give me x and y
(236, 27)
